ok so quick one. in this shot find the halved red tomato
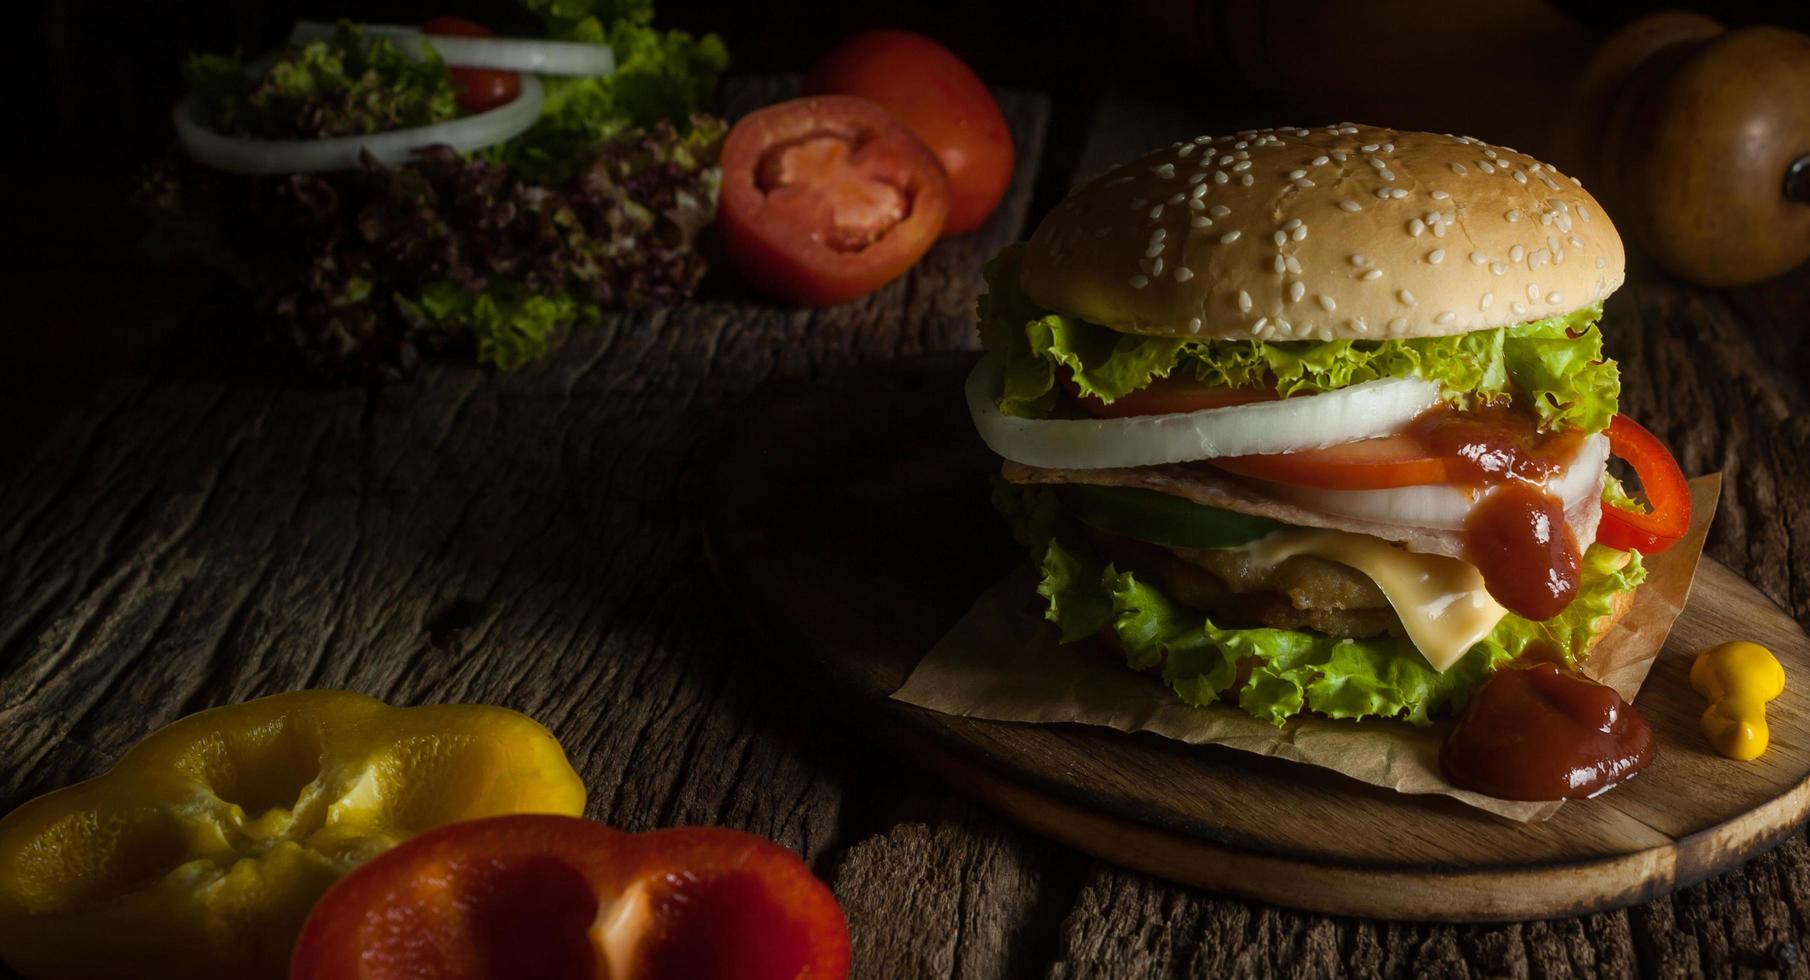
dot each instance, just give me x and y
(1168, 396)
(1371, 464)
(479, 88)
(828, 198)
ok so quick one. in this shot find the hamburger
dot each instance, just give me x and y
(1318, 420)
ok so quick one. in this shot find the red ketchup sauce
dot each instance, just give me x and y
(1517, 535)
(1538, 733)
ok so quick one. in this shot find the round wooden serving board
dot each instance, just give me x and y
(849, 521)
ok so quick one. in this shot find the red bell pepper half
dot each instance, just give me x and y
(556, 897)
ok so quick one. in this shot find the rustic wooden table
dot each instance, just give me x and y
(199, 535)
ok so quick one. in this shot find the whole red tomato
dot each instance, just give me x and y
(939, 98)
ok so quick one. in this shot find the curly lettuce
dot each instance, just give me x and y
(345, 85)
(1276, 674)
(1557, 364)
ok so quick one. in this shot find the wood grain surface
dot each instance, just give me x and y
(911, 483)
(198, 536)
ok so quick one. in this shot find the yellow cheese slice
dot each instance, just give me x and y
(1440, 600)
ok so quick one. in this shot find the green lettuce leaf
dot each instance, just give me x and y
(1291, 672)
(1557, 363)
(346, 85)
(660, 75)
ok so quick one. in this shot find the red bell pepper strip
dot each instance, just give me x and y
(1668, 495)
(556, 897)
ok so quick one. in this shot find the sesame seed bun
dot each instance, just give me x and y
(1312, 234)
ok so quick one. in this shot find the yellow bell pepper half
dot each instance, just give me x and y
(201, 852)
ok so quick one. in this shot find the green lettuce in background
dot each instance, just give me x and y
(1557, 362)
(1290, 671)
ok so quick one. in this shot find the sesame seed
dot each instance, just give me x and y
(1383, 193)
(1281, 238)
(1220, 177)
(1398, 324)
(1293, 265)
(1196, 204)
(1498, 267)
(1280, 265)
(1241, 166)
(1485, 302)
(1446, 317)
(1184, 150)
(1546, 218)
(1244, 301)
(1533, 292)
(1416, 227)
(1262, 321)
(1388, 147)
(1583, 211)
(1200, 221)
(1376, 162)
(1241, 144)
(1436, 256)
(1349, 130)
(1199, 191)
(1490, 153)
(1486, 166)
(1194, 324)
(1373, 274)
(1576, 181)
(1360, 260)
(1319, 161)
(1284, 326)
(1520, 178)
(1518, 308)
(1516, 253)
(1156, 212)
(1303, 183)
(1154, 250)
(1326, 303)
(1349, 205)
(1177, 198)
(1512, 215)
(1458, 168)
(1246, 179)
(1229, 237)
(1291, 224)
(1296, 174)
(1226, 161)
(1183, 274)
(1139, 281)
(1156, 268)
(1397, 193)
(1197, 178)
(1479, 258)
(1296, 291)
(1166, 170)
(1555, 297)
(1406, 297)
(1368, 148)
(1339, 155)
(1440, 195)
(1158, 235)
(1219, 211)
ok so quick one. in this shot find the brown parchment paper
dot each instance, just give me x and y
(1001, 662)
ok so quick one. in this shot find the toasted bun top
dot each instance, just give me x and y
(1340, 231)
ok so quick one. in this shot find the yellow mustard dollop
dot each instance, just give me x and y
(1738, 678)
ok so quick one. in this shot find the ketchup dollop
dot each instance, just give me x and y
(1539, 733)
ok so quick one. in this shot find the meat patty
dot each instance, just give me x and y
(1302, 592)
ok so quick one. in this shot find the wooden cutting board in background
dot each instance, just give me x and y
(850, 523)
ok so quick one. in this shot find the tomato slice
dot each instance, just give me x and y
(936, 94)
(479, 88)
(1370, 464)
(1168, 396)
(827, 198)
(554, 897)
(1667, 492)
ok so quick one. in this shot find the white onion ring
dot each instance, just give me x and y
(1442, 506)
(244, 155)
(1363, 411)
(535, 55)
